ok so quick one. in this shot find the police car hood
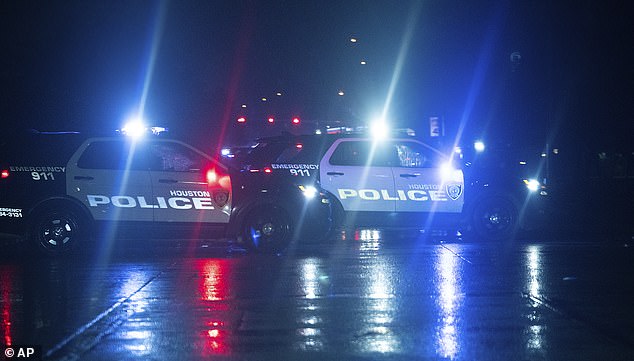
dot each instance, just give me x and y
(277, 174)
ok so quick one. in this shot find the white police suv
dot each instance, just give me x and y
(57, 187)
(395, 181)
(402, 179)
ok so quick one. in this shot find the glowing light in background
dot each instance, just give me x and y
(479, 146)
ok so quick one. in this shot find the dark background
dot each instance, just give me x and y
(86, 65)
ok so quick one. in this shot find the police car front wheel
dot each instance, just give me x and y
(267, 229)
(494, 218)
(57, 231)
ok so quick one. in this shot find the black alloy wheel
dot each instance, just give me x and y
(495, 218)
(57, 231)
(268, 229)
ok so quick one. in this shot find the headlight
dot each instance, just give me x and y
(533, 185)
(450, 174)
(309, 191)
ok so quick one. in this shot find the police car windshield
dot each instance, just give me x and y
(267, 152)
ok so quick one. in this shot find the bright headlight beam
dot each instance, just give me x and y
(533, 185)
(309, 191)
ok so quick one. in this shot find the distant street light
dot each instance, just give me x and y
(353, 40)
(363, 62)
(341, 93)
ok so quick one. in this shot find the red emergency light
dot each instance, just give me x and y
(242, 120)
(216, 178)
(295, 120)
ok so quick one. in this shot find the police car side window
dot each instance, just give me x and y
(112, 155)
(363, 153)
(414, 155)
(175, 158)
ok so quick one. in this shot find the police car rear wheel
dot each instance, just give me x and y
(57, 231)
(495, 218)
(268, 229)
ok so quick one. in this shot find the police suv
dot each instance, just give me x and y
(58, 188)
(393, 181)
(397, 181)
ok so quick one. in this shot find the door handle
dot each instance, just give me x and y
(334, 173)
(408, 175)
(170, 181)
(81, 177)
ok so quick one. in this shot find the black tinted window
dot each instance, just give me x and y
(113, 155)
(362, 153)
(265, 152)
(301, 152)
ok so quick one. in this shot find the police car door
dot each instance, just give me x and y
(358, 173)
(111, 177)
(188, 185)
(425, 182)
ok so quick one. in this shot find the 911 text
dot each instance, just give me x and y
(42, 176)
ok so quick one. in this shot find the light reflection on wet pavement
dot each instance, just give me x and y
(373, 295)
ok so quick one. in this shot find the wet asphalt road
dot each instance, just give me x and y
(374, 295)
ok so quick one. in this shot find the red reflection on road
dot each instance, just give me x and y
(216, 338)
(6, 279)
(213, 275)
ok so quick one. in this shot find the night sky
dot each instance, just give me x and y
(86, 65)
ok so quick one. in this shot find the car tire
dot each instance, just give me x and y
(57, 231)
(494, 218)
(267, 229)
